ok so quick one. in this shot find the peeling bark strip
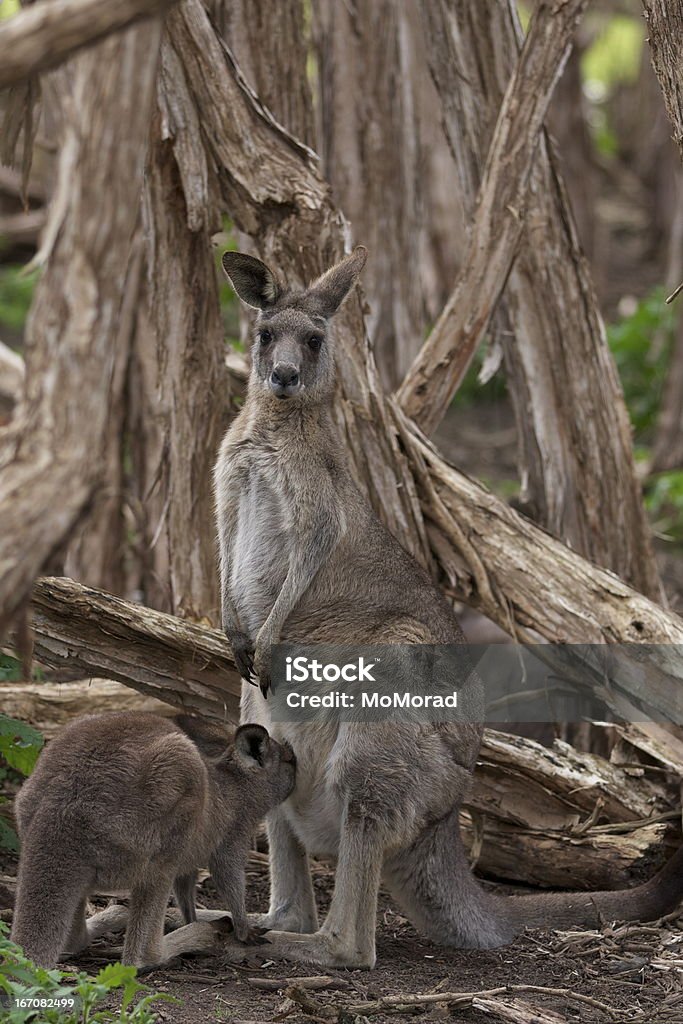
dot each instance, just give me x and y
(574, 430)
(499, 219)
(45, 34)
(665, 30)
(91, 633)
(51, 456)
(481, 549)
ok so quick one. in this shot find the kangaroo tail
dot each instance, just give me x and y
(49, 892)
(660, 895)
(433, 883)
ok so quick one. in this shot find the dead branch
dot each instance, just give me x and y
(45, 34)
(534, 809)
(325, 1011)
(51, 455)
(91, 633)
(499, 219)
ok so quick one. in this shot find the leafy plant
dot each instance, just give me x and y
(16, 293)
(641, 344)
(664, 502)
(69, 997)
(20, 745)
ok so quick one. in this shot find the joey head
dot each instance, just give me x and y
(131, 802)
(304, 558)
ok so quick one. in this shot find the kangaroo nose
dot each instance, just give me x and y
(285, 375)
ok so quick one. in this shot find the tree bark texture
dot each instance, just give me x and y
(378, 132)
(665, 29)
(45, 34)
(499, 214)
(274, 63)
(51, 456)
(575, 439)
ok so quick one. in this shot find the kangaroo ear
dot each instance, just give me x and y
(330, 290)
(251, 744)
(252, 280)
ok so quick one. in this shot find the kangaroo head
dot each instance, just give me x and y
(264, 769)
(291, 355)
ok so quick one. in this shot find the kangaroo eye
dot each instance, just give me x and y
(266, 337)
(314, 342)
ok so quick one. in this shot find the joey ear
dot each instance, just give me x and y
(330, 290)
(252, 280)
(251, 744)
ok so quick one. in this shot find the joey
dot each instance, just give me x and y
(134, 802)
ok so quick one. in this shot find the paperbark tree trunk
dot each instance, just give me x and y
(153, 535)
(377, 111)
(665, 29)
(51, 456)
(274, 63)
(178, 384)
(576, 462)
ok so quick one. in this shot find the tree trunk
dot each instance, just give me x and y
(665, 29)
(274, 63)
(576, 461)
(52, 454)
(373, 152)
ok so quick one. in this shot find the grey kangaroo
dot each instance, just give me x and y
(131, 801)
(304, 558)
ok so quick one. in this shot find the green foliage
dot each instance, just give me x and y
(80, 995)
(20, 745)
(664, 502)
(641, 344)
(472, 390)
(16, 292)
(8, 8)
(613, 58)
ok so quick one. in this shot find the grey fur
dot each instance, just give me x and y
(304, 558)
(136, 802)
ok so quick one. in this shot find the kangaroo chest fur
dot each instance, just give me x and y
(261, 549)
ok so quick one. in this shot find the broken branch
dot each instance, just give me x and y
(499, 219)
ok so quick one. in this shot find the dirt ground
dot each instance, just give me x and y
(625, 974)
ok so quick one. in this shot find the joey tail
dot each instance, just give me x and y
(433, 883)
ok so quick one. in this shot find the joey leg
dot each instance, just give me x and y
(292, 903)
(144, 943)
(347, 937)
(183, 889)
(85, 930)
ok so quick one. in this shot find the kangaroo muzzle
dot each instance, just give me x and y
(285, 380)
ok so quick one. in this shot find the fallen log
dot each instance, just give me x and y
(50, 706)
(535, 814)
(597, 859)
(92, 633)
